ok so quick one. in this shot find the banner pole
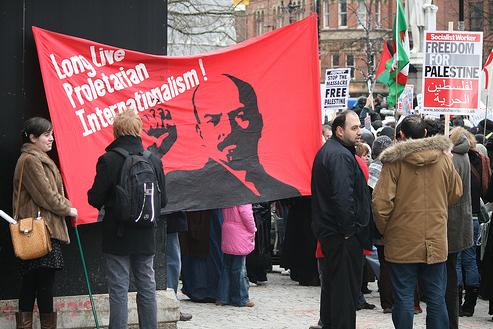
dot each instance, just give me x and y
(485, 118)
(447, 115)
(370, 93)
(81, 252)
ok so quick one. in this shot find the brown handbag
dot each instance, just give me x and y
(30, 236)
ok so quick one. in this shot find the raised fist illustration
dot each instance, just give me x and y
(158, 123)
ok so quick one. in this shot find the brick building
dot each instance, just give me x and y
(478, 16)
(351, 32)
(351, 35)
(347, 29)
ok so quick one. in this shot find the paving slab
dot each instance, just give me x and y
(283, 304)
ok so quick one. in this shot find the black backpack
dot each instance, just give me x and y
(137, 195)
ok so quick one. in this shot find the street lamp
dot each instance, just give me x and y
(291, 8)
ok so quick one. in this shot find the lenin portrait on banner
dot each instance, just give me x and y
(229, 131)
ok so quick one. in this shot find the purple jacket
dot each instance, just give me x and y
(238, 230)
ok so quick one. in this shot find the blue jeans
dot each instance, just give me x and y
(173, 261)
(433, 282)
(233, 283)
(118, 278)
(467, 266)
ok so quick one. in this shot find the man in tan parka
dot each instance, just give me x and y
(410, 205)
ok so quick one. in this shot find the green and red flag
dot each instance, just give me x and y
(394, 62)
(383, 74)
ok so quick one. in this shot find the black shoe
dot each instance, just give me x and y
(315, 327)
(185, 316)
(365, 306)
(470, 299)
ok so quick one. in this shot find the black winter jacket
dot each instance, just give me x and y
(135, 240)
(340, 196)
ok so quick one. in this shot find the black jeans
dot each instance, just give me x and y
(341, 277)
(451, 296)
(385, 282)
(37, 284)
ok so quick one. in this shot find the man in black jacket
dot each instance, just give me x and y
(126, 247)
(340, 208)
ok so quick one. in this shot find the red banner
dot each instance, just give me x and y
(236, 126)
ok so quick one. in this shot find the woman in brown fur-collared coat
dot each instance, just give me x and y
(41, 192)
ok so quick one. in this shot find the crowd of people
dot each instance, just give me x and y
(395, 200)
(414, 197)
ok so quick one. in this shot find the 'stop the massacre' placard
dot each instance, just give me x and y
(337, 88)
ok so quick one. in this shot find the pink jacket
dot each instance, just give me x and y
(238, 230)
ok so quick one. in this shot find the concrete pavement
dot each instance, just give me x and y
(283, 304)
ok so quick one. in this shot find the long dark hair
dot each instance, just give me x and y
(36, 126)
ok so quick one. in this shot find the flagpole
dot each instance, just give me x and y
(91, 300)
(485, 118)
(397, 56)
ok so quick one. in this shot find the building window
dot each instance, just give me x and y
(259, 22)
(335, 60)
(361, 13)
(378, 17)
(301, 10)
(325, 13)
(350, 63)
(342, 13)
(349, 60)
(475, 12)
(280, 17)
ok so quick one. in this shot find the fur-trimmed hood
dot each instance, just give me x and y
(419, 152)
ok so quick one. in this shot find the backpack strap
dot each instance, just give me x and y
(147, 155)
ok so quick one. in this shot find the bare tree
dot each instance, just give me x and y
(369, 42)
(196, 26)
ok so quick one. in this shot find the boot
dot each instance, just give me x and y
(470, 299)
(24, 320)
(48, 320)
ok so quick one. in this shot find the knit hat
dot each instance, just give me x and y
(367, 136)
(380, 144)
(386, 131)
